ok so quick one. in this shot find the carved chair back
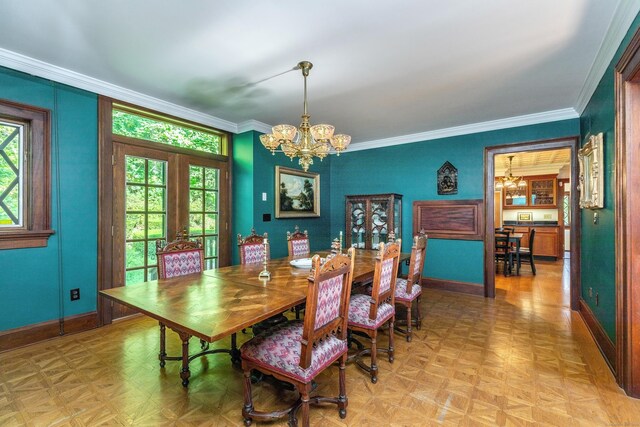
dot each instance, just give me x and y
(416, 262)
(327, 308)
(298, 243)
(384, 276)
(252, 248)
(180, 257)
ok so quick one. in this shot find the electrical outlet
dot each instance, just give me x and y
(75, 294)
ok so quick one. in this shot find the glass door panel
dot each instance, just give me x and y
(358, 227)
(379, 229)
(204, 221)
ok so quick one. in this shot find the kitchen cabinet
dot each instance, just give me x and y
(547, 240)
(541, 192)
(370, 217)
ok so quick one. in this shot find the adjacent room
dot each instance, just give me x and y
(335, 213)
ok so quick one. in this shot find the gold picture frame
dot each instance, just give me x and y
(591, 180)
(525, 216)
(297, 193)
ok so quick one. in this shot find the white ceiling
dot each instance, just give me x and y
(381, 69)
(533, 162)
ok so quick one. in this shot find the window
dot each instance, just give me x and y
(566, 209)
(24, 176)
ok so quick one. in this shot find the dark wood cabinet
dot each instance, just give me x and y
(369, 218)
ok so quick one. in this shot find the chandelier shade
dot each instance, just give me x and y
(509, 181)
(306, 141)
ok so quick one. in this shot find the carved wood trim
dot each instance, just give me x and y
(604, 343)
(19, 337)
(449, 219)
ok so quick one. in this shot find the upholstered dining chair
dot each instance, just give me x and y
(367, 313)
(298, 243)
(178, 258)
(252, 248)
(410, 289)
(297, 351)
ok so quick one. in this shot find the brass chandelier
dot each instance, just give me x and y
(308, 141)
(509, 181)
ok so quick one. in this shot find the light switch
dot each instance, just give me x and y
(595, 217)
(264, 197)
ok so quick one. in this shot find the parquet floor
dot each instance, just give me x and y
(523, 359)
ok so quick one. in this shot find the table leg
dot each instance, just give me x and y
(235, 353)
(517, 257)
(184, 372)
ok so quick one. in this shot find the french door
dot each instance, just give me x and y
(157, 193)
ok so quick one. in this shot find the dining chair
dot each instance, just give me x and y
(178, 258)
(503, 252)
(297, 351)
(252, 248)
(410, 289)
(298, 243)
(367, 313)
(526, 254)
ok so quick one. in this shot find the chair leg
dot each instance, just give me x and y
(391, 349)
(533, 265)
(248, 401)
(342, 397)
(304, 405)
(418, 315)
(409, 331)
(374, 357)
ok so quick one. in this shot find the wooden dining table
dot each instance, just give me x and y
(221, 302)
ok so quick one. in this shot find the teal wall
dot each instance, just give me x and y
(249, 199)
(598, 243)
(35, 282)
(411, 170)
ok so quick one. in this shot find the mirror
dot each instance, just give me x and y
(591, 181)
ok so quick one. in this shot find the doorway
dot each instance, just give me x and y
(515, 204)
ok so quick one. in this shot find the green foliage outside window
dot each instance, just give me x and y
(137, 126)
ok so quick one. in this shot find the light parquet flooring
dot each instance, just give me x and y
(523, 359)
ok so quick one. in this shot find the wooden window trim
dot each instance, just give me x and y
(38, 179)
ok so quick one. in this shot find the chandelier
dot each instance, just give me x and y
(308, 141)
(510, 182)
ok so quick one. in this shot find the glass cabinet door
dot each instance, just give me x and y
(370, 218)
(378, 223)
(357, 226)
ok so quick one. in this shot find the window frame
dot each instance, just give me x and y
(37, 177)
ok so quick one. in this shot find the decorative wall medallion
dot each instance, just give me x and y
(447, 179)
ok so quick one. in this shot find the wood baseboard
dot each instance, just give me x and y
(31, 334)
(453, 286)
(604, 343)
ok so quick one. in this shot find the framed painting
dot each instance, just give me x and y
(525, 216)
(297, 193)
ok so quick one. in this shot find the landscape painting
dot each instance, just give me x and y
(297, 193)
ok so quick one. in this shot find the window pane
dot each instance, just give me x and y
(152, 273)
(156, 226)
(135, 169)
(135, 254)
(152, 259)
(211, 201)
(195, 176)
(210, 246)
(11, 181)
(135, 198)
(195, 224)
(156, 200)
(210, 264)
(211, 179)
(134, 276)
(165, 132)
(156, 173)
(210, 224)
(135, 226)
(195, 201)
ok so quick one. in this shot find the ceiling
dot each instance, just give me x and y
(382, 70)
(535, 163)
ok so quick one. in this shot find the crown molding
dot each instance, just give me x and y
(48, 71)
(253, 125)
(623, 17)
(511, 122)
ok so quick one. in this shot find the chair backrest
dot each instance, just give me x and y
(180, 257)
(327, 308)
(298, 243)
(384, 277)
(532, 236)
(416, 262)
(252, 248)
(502, 241)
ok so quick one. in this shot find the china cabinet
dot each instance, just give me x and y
(369, 218)
(540, 192)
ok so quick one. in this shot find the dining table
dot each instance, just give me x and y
(516, 238)
(220, 302)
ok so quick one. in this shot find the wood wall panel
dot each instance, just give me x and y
(449, 219)
(453, 286)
